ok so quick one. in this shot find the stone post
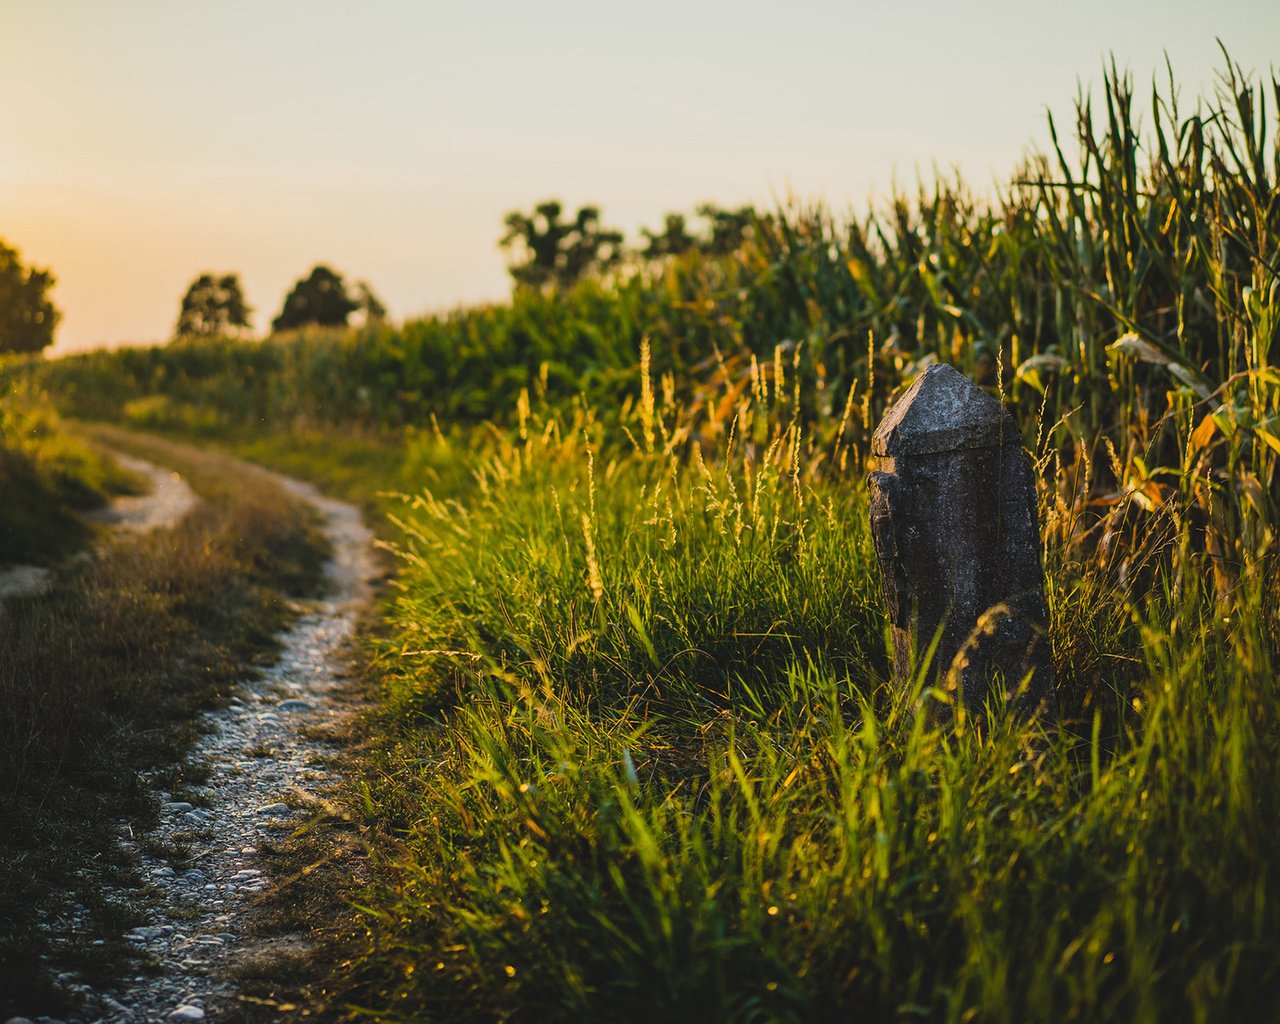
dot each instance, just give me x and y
(953, 517)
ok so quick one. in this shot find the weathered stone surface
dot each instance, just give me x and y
(953, 517)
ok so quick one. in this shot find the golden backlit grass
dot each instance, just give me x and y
(643, 761)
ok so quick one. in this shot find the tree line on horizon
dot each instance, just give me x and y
(547, 250)
(214, 304)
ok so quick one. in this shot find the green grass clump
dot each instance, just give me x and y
(47, 475)
(645, 763)
(707, 574)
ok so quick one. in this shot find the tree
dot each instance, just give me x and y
(321, 298)
(27, 316)
(368, 303)
(725, 232)
(212, 306)
(672, 241)
(729, 228)
(554, 252)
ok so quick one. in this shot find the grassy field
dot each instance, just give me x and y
(100, 684)
(639, 754)
(47, 476)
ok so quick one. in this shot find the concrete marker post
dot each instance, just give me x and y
(953, 518)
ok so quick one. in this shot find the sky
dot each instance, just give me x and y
(143, 142)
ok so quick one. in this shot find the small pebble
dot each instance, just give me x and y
(294, 704)
(146, 933)
(177, 805)
(186, 1012)
(274, 810)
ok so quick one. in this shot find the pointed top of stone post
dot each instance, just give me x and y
(943, 411)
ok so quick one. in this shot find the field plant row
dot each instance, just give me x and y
(101, 682)
(1168, 234)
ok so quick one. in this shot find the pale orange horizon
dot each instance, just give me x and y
(144, 143)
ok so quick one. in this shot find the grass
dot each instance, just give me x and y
(47, 476)
(644, 762)
(99, 689)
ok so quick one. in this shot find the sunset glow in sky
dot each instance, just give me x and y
(143, 142)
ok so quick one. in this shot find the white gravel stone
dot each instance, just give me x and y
(23, 581)
(168, 501)
(184, 1014)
